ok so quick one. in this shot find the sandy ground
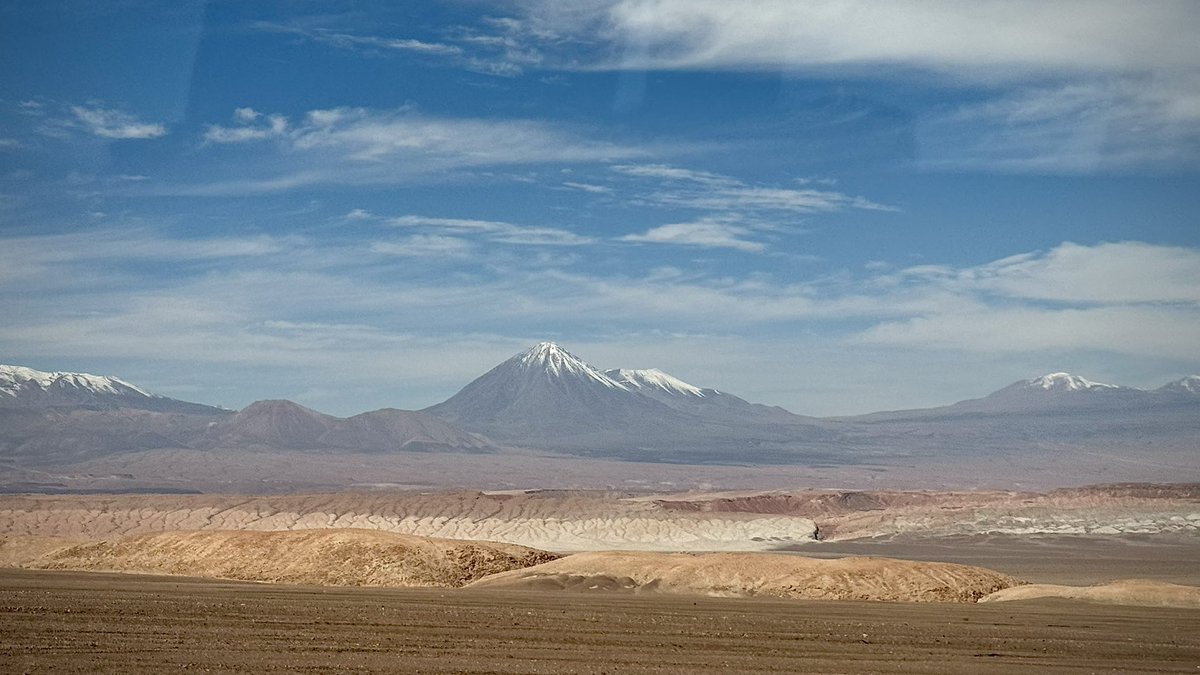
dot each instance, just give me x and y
(86, 622)
(1049, 559)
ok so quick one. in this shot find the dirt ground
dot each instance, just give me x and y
(90, 622)
(1051, 559)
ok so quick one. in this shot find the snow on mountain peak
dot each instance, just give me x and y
(1067, 382)
(558, 362)
(1186, 385)
(17, 379)
(653, 378)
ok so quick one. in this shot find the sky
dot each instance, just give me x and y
(836, 207)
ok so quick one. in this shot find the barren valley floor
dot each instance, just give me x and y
(88, 622)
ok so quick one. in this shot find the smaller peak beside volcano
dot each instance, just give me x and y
(1189, 386)
(654, 379)
(1064, 382)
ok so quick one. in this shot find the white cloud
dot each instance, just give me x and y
(715, 192)
(1106, 273)
(1075, 127)
(424, 245)
(116, 124)
(588, 187)
(496, 231)
(1074, 85)
(707, 234)
(47, 257)
(358, 214)
(733, 211)
(361, 146)
(503, 47)
(352, 41)
(273, 126)
(975, 38)
(246, 115)
(1128, 297)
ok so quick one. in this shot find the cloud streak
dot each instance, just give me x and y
(115, 124)
(985, 38)
(361, 146)
(496, 231)
(1070, 86)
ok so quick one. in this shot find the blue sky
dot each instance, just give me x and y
(833, 207)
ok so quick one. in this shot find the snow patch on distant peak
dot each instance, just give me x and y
(558, 362)
(1187, 385)
(654, 378)
(1067, 382)
(15, 379)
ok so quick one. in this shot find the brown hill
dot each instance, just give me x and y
(1138, 592)
(758, 574)
(326, 557)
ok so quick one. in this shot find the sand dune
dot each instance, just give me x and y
(757, 574)
(341, 557)
(1138, 592)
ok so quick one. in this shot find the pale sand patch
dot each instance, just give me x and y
(331, 557)
(757, 574)
(559, 521)
(1137, 592)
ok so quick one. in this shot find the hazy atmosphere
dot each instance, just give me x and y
(355, 205)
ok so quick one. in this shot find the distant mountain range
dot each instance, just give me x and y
(546, 399)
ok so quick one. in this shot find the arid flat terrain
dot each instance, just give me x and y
(1083, 581)
(87, 622)
(564, 521)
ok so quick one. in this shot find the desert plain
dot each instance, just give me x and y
(1090, 579)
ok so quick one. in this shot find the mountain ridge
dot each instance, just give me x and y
(549, 400)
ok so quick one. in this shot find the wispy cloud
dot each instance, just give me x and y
(115, 124)
(985, 38)
(1067, 86)
(501, 232)
(361, 146)
(706, 234)
(346, 40)
(715, 192)
(251, 126)
(1075, 127)
(425, 245)
(498, 46)
(588, 187)
(733, 212)
(1070, 297)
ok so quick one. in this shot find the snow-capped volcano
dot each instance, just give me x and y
(18, 381)
(1187, 386)
(22, 387)
(547, 358)
(1066, 382)
(548, 398)
(543, 390)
